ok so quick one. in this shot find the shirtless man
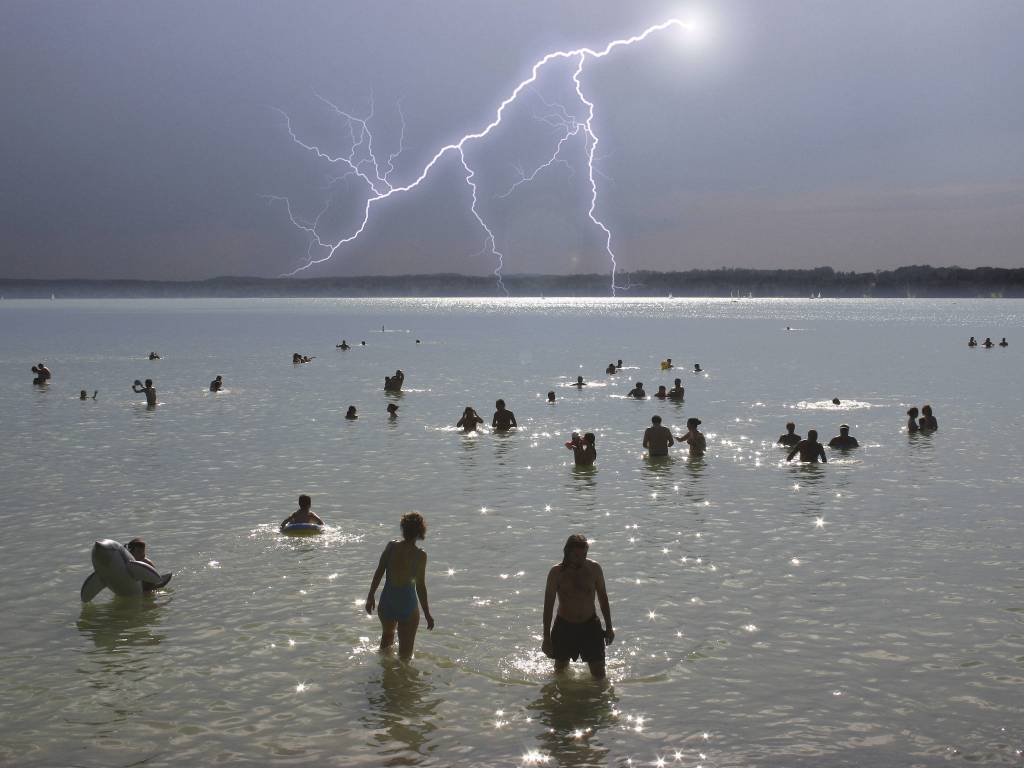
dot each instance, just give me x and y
(844, 440)
(791, 438)
(662, 393)
(579, 382)
(577, 632)
(657, 439)
(149, 389)
(678, 391)
(810, 450)
(43, 374)
(637, 392)
(503, 419)
(584, 452)
(694, 438)
(217, 384)
(304, 514)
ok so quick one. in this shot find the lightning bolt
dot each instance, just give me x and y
(361, 161)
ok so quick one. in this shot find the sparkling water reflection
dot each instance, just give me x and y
(864, 612)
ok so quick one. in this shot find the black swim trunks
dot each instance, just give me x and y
(583, 640)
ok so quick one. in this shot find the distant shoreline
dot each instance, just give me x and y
(823, 282)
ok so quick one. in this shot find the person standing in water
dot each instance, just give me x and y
(577, 632)
(503, 419)
(844, 440)
(678, 392)
(351, 413)
(637, 392)
(791, 438)
(584, 452)
(657, 439)
(148, 389)
(217, 384)
(470, 419)
(405, 566)
(694, 438)
(810, 450)
(304, 514)
(912, 425)
(927, 422)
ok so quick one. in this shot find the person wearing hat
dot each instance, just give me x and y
(844, 439)
(137, 548)
(694, 437)
(392, 410)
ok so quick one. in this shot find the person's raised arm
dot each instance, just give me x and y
(377, 576)
(602, 600)
(550, 591)
(421, 589)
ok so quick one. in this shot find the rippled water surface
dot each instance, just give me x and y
(867, 612)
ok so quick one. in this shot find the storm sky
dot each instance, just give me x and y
(141, 139)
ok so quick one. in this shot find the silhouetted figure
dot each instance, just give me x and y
(217, 384)
(154, 356)
(973, 342)
(791, 438)
(392, 411)
(836, 401)
(148, 389)
(611, 369)
(469, 420)
(637, 392)
(343, 345)
(1004, 343)
(662, 393)
(666, 364)
(912, 425)
(584, 451)
(394, 383)
(844, 440)
(810, 450)
(987, 343)
(403, 566)
(657, 439)
(83, 395)
(678, 391)
(927, 422)
(351, 413)
(551, 396)
(43, 374)
(618, 365)
(579, 383)
(577, 632)
(503, 419)
(694, 438)
(697, 368)
(297, 358)
(304, 514)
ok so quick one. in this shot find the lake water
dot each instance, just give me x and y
(867, 612)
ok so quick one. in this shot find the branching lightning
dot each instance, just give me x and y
(362, 162)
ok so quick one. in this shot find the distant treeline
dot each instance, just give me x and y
(904, 282)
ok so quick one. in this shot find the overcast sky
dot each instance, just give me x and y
(141, 139)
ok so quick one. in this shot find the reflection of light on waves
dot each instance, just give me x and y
(828, 405)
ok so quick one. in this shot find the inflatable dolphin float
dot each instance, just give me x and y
(116, 569)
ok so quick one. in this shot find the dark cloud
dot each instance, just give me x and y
(139, 138)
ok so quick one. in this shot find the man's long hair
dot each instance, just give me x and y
(574, 541)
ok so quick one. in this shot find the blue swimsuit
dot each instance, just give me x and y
(397, 603)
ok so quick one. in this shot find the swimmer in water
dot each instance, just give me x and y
(844, 440)
(618, 365)
(551, 396)
(694, 438)
(810, 450)
(927, 422)
(297, 358)
(351, 413)
(912, 425)
(362, 343)
(83, 395)
(148, 389)
(697, 368)
(43, 374)
(611, 369)
(836, 401)
(987, 343)
(678, 391)
(137, 549)
(657, 439)
(469, 420)
(637, 392)
(1004, 342)
(304, 514)
(154, 356)
(584, 452)
(503, 419)
(791, 438)
(392, 411)
(394, 383)
(579, 383)
(577, 632)
(403, 566)
(343, 345)
(667, 364)
(973, 342)
(217, 384)
(662, 393)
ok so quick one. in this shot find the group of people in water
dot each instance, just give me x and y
(926, 422)
(987, 343)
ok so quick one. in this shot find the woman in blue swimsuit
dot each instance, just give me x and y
(404, 564)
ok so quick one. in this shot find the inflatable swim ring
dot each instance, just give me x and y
(302, 529)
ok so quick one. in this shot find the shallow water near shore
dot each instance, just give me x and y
(870, 611)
